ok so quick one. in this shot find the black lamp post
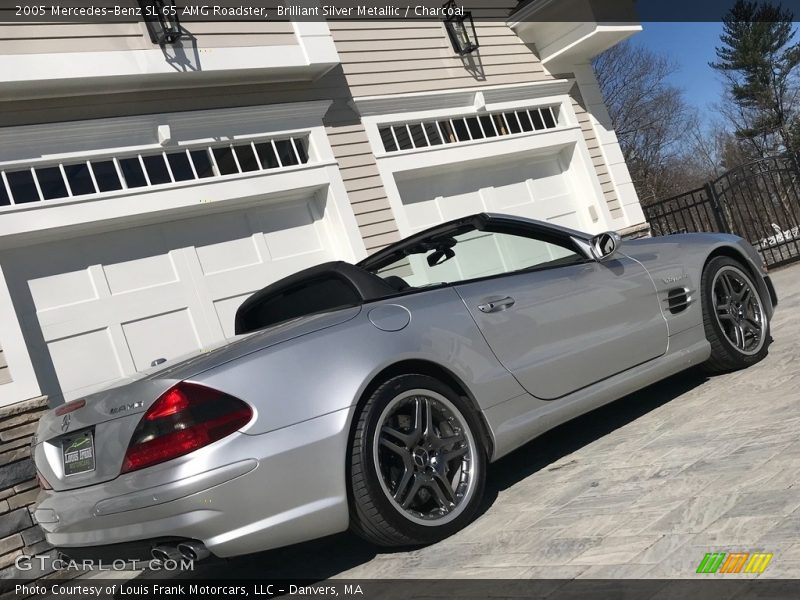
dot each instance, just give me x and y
(460, 28)
(162, 20)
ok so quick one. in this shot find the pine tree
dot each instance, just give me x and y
(759, 60)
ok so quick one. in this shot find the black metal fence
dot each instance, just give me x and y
(759, 201)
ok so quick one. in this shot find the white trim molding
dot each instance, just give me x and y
(27, 76)
(570, 31)
(24, 384)
(475, 98)
(609, 146)
(103, 136)
(46, 144)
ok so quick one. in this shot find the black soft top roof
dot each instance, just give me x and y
(366, 286)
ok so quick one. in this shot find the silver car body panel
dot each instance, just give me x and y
(283, 479)
(572, 326)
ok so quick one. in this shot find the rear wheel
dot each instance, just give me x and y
(417, 468)
(734, 318)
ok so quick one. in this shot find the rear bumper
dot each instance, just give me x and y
(288, 486)
(139, 550)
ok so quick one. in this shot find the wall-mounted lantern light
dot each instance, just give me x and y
(460, 28)
(162, 20)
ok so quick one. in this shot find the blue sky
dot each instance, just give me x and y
(691, 46)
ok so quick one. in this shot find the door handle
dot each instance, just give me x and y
(498, 305)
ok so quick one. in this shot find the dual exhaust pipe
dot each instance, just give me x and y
(194, 551)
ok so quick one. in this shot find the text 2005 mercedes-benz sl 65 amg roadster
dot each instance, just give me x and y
(374, 396)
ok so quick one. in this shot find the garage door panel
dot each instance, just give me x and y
(228, 256)
(421, 215)
(73, 319)
(291, 230)
(161, 336)
(539, 189)
(93, 349)
(101, 306)
(63, 289)
(460, 205)
(140, 274)
(226, 311)
(508, 196)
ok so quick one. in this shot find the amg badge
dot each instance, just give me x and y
(126, 407)
(674, 278)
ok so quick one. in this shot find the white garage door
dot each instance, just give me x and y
(534, 188)
(102, 306)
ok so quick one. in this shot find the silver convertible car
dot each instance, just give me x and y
(374, 396)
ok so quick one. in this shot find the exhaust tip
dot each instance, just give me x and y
(163, 553)
(194, 551)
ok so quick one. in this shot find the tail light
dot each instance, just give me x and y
(184, 418)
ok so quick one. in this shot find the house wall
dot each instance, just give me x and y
(5, 373)
(377, 58)
(595, 150)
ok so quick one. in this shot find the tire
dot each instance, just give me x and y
(391, 446)
(732, 301)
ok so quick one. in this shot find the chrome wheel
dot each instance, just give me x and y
(425, 457)
(738, 310)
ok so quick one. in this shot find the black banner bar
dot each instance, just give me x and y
(602, 11)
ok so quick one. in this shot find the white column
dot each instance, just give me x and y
(23, 385)
(609, 145)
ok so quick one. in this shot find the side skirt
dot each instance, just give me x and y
(517, 421)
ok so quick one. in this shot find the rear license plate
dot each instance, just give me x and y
(78, 452)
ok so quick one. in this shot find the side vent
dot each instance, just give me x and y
(678, 300)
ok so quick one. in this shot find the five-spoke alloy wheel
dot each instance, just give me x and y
(417, 465)
(735, 321)
(738, 309)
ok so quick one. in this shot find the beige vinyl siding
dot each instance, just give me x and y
(5, 374)
(397, 57)
(25, 38)
(224, 34)
(364, 185)
(596, 153)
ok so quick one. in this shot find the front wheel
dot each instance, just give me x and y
(735, 321)
(417, 468)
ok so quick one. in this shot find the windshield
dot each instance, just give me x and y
(473, 254)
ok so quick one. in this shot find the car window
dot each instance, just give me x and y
(479, 254)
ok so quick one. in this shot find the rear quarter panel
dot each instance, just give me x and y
(329, 370)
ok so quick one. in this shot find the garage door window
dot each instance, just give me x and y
(51, 182)
(425, 134)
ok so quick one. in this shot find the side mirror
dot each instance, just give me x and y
(605, 245)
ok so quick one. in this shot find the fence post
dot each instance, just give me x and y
(719, 215)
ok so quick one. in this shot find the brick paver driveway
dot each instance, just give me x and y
(641, 488)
